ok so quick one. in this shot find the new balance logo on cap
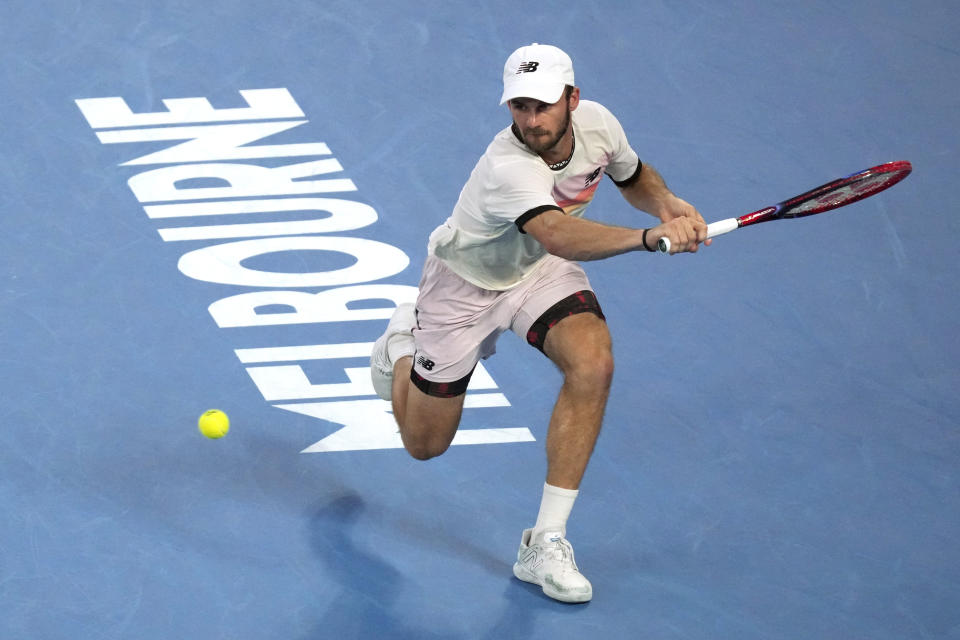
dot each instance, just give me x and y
(537, 71)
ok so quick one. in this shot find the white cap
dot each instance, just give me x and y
(538, 71)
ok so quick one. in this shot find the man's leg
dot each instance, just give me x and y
(580, 346)
(427, 423)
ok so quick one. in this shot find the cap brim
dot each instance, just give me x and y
(548, 92)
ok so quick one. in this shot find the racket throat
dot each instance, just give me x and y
(762, 215)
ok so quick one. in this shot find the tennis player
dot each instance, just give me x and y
(506, 259)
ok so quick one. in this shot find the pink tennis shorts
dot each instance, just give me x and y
(458, 323)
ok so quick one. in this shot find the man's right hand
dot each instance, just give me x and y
(685, 234)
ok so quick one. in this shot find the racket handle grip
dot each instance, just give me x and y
(714, 229)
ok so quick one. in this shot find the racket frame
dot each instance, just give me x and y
(890, 174)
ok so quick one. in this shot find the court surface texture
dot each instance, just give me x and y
(781, 453)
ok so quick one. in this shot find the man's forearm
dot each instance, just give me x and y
(578, 239)
(649, 192)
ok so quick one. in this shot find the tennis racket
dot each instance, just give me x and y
(824, 198)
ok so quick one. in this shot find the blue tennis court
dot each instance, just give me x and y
(781, 452)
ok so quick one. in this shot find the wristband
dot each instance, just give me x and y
(643, 240)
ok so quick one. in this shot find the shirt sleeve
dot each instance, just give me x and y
(518, 188)
(623, 160)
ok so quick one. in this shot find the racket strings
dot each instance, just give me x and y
(845, 193)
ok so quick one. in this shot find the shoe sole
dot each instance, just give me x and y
(522, 574)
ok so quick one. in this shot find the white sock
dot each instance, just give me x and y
(400, 345)
(555, 508)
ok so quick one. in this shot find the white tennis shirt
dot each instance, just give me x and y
(481, 241)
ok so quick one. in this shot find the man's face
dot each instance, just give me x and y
(541, 125)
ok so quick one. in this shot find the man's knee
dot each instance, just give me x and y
(580, 346)
(603, 368)
(593, 368)
(425, 448)
(429, 424)
(427, 441)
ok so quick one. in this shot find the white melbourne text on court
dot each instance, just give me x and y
(209, 143)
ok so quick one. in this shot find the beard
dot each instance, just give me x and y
(540, 141)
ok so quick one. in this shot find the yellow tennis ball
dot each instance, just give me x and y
(214, 423)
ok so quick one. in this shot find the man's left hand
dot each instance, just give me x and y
(680, 208)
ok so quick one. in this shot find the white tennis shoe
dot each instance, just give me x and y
(548, 561)
(401, 324)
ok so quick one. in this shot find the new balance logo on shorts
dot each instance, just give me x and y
(528, 67)
(426, 364)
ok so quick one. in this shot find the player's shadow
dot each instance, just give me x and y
(369, 585)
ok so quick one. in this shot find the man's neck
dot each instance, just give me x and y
(562, 152)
